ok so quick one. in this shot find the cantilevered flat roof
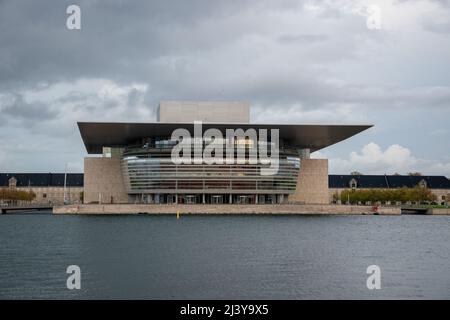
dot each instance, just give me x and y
(97, 135)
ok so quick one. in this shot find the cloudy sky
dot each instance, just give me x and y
(295, 61)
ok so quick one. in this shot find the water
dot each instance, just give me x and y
(224, 257)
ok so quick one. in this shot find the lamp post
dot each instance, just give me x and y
(65, 184)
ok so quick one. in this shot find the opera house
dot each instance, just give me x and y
(134, 162)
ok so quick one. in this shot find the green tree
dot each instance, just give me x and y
(14, 195)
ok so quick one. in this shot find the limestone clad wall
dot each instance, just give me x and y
(103, 181)
(206, 111)
(312, 183)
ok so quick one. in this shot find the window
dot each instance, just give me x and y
(12, 182)
(422, 184)
(353, 184)
(44, 195)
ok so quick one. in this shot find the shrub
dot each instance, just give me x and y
(416, 194)
(16, 195)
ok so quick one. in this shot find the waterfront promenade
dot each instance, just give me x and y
(224, 209)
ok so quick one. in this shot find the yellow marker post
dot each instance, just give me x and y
(178, 214)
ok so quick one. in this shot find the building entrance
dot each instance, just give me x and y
(215, 199)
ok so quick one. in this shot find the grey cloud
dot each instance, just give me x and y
(283, 58)
(117, 39)
(302, 38)
(444, 3)
(181, 49)
(22, 110)
(432, 22)
(441, 25)
(134, 97)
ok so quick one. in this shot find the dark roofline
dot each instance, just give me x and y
(43, 179)
(334, 180)
(387, 181)
(96, 135)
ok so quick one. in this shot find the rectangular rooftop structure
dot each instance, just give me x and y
(206, 111)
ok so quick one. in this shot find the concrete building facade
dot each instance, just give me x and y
(206, 111)
(103, 181)
(312, 182)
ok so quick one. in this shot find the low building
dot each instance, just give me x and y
(438, 185)
(48, 187)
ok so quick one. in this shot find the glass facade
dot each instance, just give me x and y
(151, 176)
